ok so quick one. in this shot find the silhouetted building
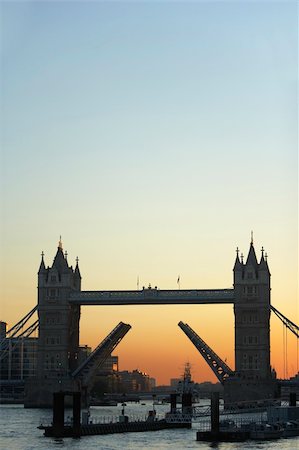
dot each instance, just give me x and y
(3, 326)
(152, 383)
(110, 366)
(19, 356)
(135, 381)
(253, 378)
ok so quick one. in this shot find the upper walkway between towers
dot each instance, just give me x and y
(153, 296)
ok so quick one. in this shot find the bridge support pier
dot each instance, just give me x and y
(39, 392)
(246, 391)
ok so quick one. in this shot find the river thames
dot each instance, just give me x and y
(18, 431)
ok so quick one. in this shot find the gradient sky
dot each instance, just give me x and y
(153, 136)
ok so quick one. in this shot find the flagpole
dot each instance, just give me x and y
(179, 281)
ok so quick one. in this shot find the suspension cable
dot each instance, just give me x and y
(297, 356)
(284, 351)
(287, 371)
(14, 330)
(288, 323)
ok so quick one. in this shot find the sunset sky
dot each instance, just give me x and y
(153, 137)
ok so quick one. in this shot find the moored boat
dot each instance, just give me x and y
(265, 431)
(290, 428)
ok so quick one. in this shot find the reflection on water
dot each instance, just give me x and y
(18, 431)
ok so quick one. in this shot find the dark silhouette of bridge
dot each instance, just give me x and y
(60, 299)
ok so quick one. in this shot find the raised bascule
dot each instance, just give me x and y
(60, 299)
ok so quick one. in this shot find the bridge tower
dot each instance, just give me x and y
(253, 378)
(58, 342)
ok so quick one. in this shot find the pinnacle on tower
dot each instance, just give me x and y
(238, 264)
(77, 270)
(251, 258)
(263, 262)
(60, 261)
(42, 266)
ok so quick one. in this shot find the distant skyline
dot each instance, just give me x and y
(153, 137)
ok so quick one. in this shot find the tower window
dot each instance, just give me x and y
(250, 340)
(250, 291)
(52, 293)
(53, 340)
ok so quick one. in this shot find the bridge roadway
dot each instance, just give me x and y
(153, 296)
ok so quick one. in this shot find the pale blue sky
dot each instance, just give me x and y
(153, 136)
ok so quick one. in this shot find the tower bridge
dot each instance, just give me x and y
(60, 299)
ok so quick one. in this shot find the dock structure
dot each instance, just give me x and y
(278, 421)
(112, 428)
(74, 428)
(216, 434)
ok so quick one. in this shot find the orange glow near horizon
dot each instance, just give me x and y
(156, 345)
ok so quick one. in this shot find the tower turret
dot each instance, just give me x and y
(264, 271)
(42, 272)
(77, 275)
(238, 268)
(251, 258)
(42, 267)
